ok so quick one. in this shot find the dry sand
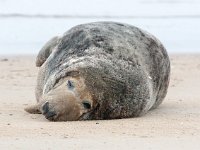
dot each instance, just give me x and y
(174, 125)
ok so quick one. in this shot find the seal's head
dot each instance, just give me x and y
(69, 100)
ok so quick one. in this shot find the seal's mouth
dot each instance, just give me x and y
(53, 115)
(49, 114)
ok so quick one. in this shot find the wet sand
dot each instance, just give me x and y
(174, 125)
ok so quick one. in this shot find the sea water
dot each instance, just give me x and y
(25, 26)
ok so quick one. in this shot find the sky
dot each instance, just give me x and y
(25, 26)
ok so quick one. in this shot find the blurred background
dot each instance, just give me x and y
(25, 25)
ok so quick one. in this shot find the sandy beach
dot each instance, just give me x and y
(174, 125)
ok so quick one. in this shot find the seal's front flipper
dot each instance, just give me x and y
(46, 50)
(34, 109)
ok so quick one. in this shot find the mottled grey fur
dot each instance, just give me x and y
(125, 68)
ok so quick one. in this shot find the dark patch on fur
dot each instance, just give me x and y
(117, 98)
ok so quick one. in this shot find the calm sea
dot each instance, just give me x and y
(26, 25)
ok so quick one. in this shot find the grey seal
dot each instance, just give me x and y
(101, 70)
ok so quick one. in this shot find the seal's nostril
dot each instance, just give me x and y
(47, 112)
(45, 108)
(50, 115)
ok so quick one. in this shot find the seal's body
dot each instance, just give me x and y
(102, 70)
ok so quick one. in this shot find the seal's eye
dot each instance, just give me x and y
(70, 84)
(86, 105)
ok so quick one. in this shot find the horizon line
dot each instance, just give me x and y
(55, 16)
